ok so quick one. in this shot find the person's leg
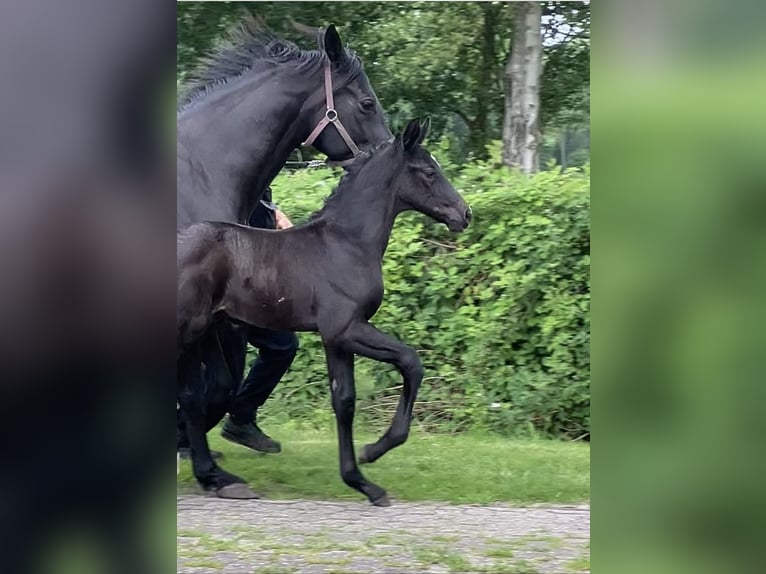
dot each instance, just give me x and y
(277, 350)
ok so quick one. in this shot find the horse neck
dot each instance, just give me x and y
(254, 122)
(364, 214)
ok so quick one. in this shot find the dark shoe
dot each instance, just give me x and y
(249, 435)
(185, 453)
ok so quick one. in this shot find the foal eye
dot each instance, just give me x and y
(367, 105)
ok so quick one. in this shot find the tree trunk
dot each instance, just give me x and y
(479, 128)
(521, 130)
(563, 143)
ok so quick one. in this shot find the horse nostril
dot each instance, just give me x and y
(467, 215)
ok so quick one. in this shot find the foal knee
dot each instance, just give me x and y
(411, 367)
(343, 403)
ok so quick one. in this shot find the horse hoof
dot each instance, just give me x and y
(382, 501)
(363, 456)
(238, 490)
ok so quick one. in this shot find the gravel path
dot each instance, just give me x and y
(281, 537)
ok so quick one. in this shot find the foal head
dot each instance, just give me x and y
(421, 185)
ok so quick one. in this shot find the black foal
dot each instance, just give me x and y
(322, 276)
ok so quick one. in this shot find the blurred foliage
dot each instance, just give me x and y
(680, 229)
(443, 59)
(499, 314)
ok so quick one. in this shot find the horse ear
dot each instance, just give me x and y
(411, 135)
(332, 44)
(425, 127)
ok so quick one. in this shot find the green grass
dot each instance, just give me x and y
(442, 538)
(455, 562)
(467, 468)
(552, 542)
(210, 564)
(499, 553)
(581, 564)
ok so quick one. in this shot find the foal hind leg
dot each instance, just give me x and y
(232, 342)
(364, 339)
(340, 365)
(223, 351)
(219, 377)
(192, 401)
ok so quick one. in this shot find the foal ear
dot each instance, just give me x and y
(332, 44)
(425, 127)
(411, 135)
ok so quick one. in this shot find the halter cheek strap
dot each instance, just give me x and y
(331, 117)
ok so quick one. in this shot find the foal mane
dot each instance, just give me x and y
(352, 173)
(250, 43)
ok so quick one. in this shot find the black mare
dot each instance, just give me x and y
(253, 102)
(324, 276)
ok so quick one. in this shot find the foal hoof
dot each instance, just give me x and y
(382, 501)
(364, 457)
(238, 490)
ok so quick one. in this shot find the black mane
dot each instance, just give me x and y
(248, 44)
(349, 177)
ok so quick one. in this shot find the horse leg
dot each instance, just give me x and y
(224, 353)
(231, 347)
(340, 366)
(364, 339)
(192, 400)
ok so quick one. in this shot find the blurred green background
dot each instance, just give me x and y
(679, 228)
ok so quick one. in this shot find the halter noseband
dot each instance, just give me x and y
(331, 117)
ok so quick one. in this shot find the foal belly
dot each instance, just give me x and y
(270, 310)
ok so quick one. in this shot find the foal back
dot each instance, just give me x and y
(260, 277)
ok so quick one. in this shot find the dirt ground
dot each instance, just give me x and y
(313, 537)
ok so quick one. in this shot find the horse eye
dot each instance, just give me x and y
(429, 173)
(367, 105)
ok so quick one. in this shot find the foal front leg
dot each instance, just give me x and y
(364, 339)
(340, 366)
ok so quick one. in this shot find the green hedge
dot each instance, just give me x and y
(499, 314)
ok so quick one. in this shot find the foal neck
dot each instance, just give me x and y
(362, 211)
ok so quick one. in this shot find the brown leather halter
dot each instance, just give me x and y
(331, 117)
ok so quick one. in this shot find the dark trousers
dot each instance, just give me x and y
(277, 350)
